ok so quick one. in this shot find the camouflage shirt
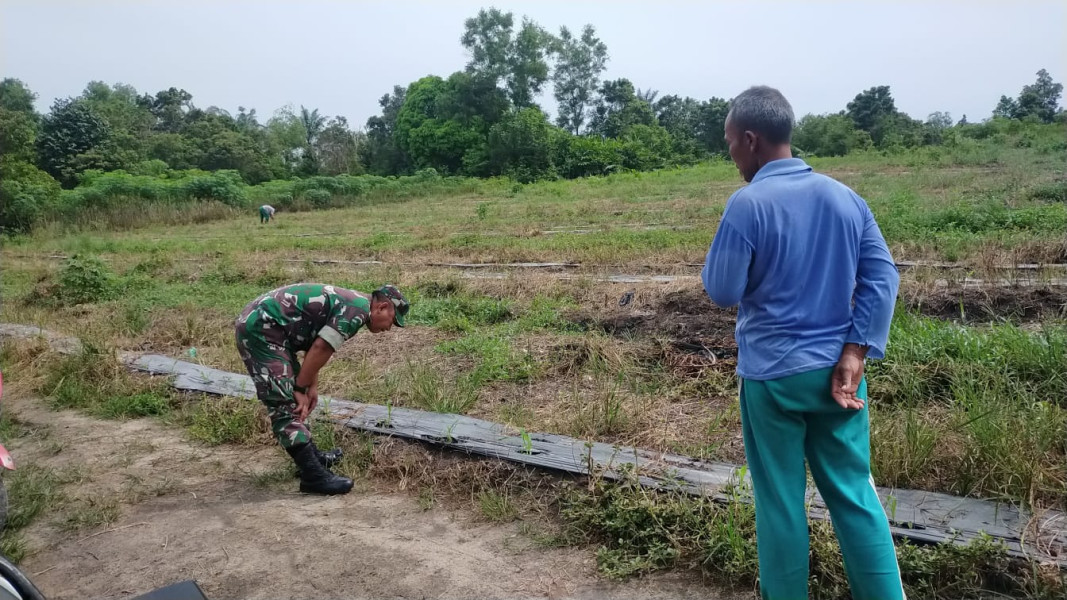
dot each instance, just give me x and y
(305, 311)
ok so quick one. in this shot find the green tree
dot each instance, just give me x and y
(1040, 99)
(18, 121)
(579, 63)
(520, 145)
(1007, 108)
(681, 117)
(174, 149)
(619, 109)
(444, 124)
(900, 130)
(487, 37)
(218, 144)
(68, 134)
(936, 124)
(169, 107)
(26, 194)
(711, 125)
(829, 135)
(18, 133)
(337, 148)
(939, 120)
(287, 136)
(498, 54)
(527, 64)
(313, 123)
(646, 147)
(380, 154)
(15, 96)
(128, 120)
(870, 109)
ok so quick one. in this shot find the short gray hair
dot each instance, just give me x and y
(763, 110)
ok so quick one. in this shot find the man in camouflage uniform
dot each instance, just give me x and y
(316, 319)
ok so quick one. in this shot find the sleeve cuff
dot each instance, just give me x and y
(331, 337)
(875, 349)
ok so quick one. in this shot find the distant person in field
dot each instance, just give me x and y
(316, 319)
(803, 257)
(266, 213)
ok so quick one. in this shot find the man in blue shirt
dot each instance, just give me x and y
(803, 257)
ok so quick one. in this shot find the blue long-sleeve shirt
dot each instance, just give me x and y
(805, 259)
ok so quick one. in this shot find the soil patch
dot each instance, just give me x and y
(193, 512)
(1021, 304)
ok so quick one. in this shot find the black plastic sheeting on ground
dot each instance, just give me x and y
(916, 515)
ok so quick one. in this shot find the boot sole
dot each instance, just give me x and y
(326, 492)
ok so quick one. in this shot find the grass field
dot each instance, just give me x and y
(971, 400)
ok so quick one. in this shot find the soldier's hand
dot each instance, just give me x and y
(313, 395)
(303, 405)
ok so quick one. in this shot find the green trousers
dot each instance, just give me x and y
(786, 421)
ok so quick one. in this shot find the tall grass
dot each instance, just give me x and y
(972, 410)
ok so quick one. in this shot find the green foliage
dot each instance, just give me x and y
(69, 135)
(585, 156)
(1039, 100)
(85, 279)
(135, 405)
(226, 421)
(496, 506)
(444, 124)
(830, 135)
(381, 155)
(1055, 191)
(579, 63)
(641, 531)
(459, 313)
(31, 489)
(619, 109)
(225, 186)
(18, 134)
(498, 53)
(497, 360)
(26, 194)
(870, 108)
(967, 374)
(430, 391)
(520, 146)
(16, 97)
(645, 531)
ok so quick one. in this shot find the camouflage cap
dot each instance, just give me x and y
(400, 303)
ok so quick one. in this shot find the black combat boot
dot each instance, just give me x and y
(314, 478)
(328, 459)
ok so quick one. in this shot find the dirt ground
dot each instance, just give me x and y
(192, 512)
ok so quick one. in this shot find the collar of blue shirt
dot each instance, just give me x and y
(782, 166)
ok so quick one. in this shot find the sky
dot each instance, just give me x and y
(342, 56)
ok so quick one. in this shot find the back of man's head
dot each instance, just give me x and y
(765, 111)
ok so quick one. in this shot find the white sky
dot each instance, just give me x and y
(340, 57)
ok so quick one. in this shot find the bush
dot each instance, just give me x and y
(26, 194)
(318, 198)
(85, 279)
(225, 186)
(584, 156)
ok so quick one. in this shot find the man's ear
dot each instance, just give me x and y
(752, 141)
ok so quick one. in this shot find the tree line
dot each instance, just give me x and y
(483, 121)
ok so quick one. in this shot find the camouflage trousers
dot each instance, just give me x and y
(273, 368)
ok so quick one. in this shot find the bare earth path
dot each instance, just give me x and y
(193, 512)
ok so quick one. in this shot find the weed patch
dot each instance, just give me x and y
(90, 512)
(225, 420)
